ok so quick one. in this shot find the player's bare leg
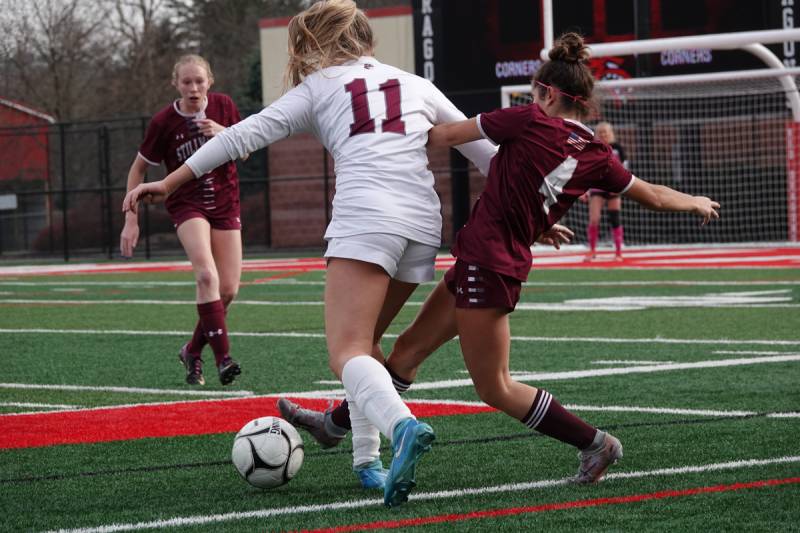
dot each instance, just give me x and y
(485, 343)
(593, 228)
(354, 296)
(195, 236)
(434, 325)
(615, 221)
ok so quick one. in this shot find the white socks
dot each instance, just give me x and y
(366, 437)
(370, 387)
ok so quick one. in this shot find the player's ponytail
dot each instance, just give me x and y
(569, 72)
(330, 32)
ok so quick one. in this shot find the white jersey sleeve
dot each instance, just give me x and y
(479, 152)
(291, 113)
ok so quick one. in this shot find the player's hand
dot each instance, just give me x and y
(584, 197)
(208, 127)
(556, 236)
(154, 192)
(706, 208)
(129, 237)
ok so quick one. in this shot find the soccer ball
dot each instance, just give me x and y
(268, 452)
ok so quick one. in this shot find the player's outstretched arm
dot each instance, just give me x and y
(454, 133)
(156, 191)
(662, 198)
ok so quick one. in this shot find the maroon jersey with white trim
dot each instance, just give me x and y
(544, 164)
(172, 136)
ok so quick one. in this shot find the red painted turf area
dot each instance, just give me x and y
(164, 420)
(512, 511)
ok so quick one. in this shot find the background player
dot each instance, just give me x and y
(386, 225)
(597, 197)
(205, 212)
(547, 160)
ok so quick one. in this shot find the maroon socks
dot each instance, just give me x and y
(549, 417)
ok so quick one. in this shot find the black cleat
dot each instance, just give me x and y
(228, 370)
(193, 365)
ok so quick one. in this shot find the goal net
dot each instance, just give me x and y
(729, 136)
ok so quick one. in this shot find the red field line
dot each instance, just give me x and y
(574, 504)
(165, 420)
(712, 257)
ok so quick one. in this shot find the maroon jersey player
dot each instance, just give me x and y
(597, 197)
(547, 160)
(205, 212)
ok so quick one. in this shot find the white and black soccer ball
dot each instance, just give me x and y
(268, 452)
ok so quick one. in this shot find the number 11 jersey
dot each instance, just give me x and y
(374, 120)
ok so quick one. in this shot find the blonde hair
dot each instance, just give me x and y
(188, 59)
(328, 33)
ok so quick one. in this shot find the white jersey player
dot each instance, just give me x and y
(374, 120)
(386, 224)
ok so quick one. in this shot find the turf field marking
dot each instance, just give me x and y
(578, 374)
(128, 390)
(749, 300)
(92, 283)
(188, 521)
(310, 283)
(294, 334)
(556, 506)
(40, 405)
(784, 415)
(123, 301)
(626, 362)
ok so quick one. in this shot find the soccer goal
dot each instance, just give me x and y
(730, 136)
(733, 136)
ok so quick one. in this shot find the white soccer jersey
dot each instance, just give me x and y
(374, 120)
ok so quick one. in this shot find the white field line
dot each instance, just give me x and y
(626, 362)
(747, 352)
(578, 374)
(572, 407)
(714, 260)
(130, 390)
(292, 334)
(594, 305)
(27, 405)
(293, 281)
(157, 302)
(188, 521)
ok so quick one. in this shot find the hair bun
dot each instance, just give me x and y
(569, 48)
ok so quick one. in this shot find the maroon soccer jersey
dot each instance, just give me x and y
(544, 164)
(172, 136)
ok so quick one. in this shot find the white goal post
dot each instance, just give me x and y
(734, 136)
(728, 135)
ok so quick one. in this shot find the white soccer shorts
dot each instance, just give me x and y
(403, 259)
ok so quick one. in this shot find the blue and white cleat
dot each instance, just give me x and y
(410, 441)
(372, 475)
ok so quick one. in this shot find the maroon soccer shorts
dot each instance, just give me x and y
(477, 288)
(227, 219)
(605, 194)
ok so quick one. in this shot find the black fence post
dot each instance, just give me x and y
(64, 228)
(105, 180)
(146, 213)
